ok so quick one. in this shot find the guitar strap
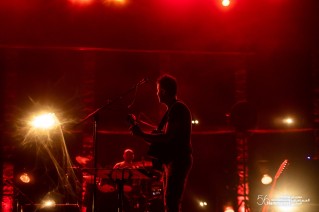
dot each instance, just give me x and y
(163, 122)
(157, 164)
(165, 118)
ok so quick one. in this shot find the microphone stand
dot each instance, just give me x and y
(94, 115)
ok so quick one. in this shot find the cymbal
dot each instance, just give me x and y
(83, 160)
(143, 164)
(136, 174)
(106, 188)
(100, 172)
(124, 174)
(127, 188)
(89, 178)
(104, 173)
(119, 174)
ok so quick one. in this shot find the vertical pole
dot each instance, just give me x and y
(88, 80)
(241, 140)
(10, 82)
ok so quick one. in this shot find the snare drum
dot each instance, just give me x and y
(106, 185)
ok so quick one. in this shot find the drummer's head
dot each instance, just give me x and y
(128, 155)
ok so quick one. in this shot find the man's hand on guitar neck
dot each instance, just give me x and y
(134, 128)
(157, 132)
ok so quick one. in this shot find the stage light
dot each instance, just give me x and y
(81, 1)
(266, 179)
(202, 204)
(288, 121)
(45, 121)
(286, 208)
(118, 2)
(225, 3)
(49, 203)
(229, 209)
(25, 178)
(195, 122)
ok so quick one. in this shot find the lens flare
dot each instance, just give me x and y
(45, 134)
(45, 121)
(202, 204)
(48, 203)
(266, 179)
(288, 121)
(225, 3)
(229, 209)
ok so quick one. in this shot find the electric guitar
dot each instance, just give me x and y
(157, 150)
(282, 166)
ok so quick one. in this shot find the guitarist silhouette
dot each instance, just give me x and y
(170, 143)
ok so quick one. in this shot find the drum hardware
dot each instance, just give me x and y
(141, 187)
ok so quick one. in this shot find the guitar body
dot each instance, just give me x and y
(160, 152)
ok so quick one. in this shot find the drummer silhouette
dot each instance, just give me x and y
(132, 181)
(127, 163)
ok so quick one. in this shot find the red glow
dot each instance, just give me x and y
(81, 1)
(116, 2)
(7, 189)
(119, 1)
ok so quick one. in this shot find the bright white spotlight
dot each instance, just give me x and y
(48, 203)
(286, 208)
(288, 121)
(202, 204)
(195, 122)
(266, 179)
(225, 3)
(25, 178)
(229, 209)
(45, 121)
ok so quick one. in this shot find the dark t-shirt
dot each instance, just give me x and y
(178, 129)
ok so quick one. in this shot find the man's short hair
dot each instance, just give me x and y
(168, 83)
(128, 150)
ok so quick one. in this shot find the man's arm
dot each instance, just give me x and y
(178, 125)
(149, 137)
(117, 165)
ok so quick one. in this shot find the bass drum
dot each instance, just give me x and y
(106, 185)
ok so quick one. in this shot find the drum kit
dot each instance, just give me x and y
(140, 188)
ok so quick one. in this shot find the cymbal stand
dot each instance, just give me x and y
(94, 114)
(120, 185)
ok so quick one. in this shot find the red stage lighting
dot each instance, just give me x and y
(81, 1)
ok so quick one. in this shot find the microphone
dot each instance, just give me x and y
(143, 81)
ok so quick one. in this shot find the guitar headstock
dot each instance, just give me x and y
(131, 118)
(281, 168)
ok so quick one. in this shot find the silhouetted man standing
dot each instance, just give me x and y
(171, 143)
